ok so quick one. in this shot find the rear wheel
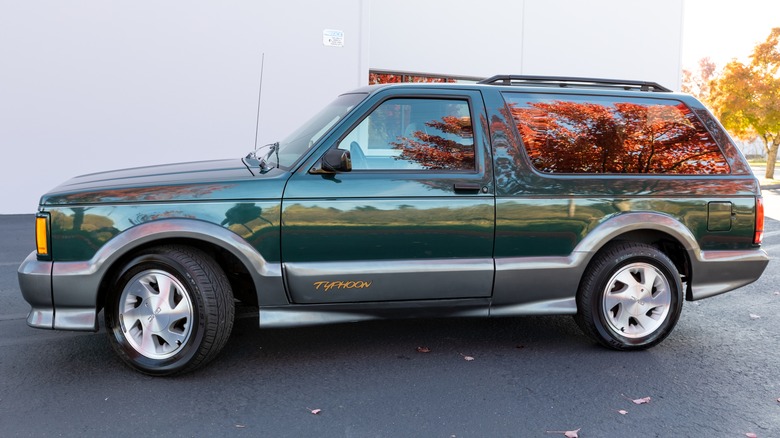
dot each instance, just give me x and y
(171, 310)
(630, 297)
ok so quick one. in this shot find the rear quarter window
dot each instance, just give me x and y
(613, 135)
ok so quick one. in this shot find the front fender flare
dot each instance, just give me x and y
(76, 285)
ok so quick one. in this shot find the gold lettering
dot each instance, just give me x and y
(351, 284)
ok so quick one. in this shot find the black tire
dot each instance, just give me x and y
(164, 333)
(630, 297)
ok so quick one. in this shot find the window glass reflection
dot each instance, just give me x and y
(599, 134)
(422, 134)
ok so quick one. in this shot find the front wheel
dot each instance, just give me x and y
(630, 297)
(171, 310)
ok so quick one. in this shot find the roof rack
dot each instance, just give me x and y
(565, 82)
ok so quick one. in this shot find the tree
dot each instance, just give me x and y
(746, 98)
(697, 83)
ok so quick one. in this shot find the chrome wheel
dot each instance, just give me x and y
(636, 300)
(155, 314)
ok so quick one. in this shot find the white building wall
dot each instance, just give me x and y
(620, 39)
(93, 85)
(459, 37)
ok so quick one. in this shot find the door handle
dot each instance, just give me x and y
(467, 187)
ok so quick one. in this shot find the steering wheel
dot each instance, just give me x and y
(358, 157)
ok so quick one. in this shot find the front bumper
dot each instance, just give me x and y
(35, 283)
(76, 290)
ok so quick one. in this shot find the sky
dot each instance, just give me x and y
(725, 29)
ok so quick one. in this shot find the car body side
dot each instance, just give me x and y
(301, 246)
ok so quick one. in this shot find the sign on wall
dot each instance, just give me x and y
(333, 38)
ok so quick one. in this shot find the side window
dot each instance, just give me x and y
(599, 134)
(421, 134)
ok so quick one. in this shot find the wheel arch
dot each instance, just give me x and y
(248, 271)
(667, 244)
(663, 232)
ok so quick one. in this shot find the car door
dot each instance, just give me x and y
(412, 220)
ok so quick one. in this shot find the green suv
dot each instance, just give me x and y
(612, 201)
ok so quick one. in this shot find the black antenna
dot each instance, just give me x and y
(259, 96)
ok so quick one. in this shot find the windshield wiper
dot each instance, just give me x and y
(261, 160)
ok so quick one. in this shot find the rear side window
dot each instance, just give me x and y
(603, 134)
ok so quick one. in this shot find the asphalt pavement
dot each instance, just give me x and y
(718, 375)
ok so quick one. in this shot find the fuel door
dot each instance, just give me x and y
(719, 216)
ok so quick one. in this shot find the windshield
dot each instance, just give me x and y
(296, 144)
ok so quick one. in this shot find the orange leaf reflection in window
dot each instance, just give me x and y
(394, 78)
(441, 150)
(619, 137)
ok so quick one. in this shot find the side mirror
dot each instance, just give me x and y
(335, 160)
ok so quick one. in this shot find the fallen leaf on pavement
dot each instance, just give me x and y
(315, 411)
(423, 350)
(468, 358)
(638, 401)
(622, 412)
(567, 433)
(751, 435)
(754, 316)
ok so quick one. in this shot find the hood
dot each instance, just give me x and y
(202, 180)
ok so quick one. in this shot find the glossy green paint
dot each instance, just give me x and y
(197, 181)
(389, 214)
(89, 210)
(79, 231)
(393, 229)
(533, 227)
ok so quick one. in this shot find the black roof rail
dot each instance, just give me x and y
(565, 82)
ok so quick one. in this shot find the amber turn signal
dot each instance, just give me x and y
(42, 234)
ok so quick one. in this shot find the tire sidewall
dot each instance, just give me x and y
(184, 356)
